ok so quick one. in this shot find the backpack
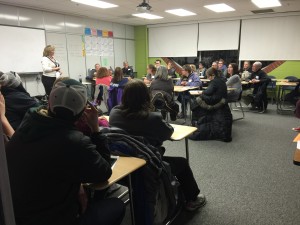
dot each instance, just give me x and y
(156, 194)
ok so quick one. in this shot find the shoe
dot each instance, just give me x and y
(297, 129)
(197, 204)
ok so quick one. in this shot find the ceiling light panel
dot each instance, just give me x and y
(266, 3)
(180, 12)
(147, 16)
(220, 8)
(96, 3)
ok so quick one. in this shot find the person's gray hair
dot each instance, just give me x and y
(258, 64)
(162, 73)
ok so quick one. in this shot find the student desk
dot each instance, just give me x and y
(280, 101)
(123, 168)
(182, 132)
(296, 159)
(183, 90)
(197, 92)
(205, 80)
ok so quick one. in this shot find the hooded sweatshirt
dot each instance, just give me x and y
(48, 159)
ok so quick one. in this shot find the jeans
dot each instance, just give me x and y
(186, 100)
(109, 211)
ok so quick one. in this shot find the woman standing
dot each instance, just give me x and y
(51, 68)
(234, 82)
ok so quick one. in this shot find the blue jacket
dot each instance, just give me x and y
(193, 80)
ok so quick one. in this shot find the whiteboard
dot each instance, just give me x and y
(75, 57)
(120, 52)
(22, 49)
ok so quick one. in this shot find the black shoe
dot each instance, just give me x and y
(173, 116)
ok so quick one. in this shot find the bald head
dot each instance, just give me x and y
(256, 66)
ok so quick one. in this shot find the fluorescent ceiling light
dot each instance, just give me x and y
(11, 17)
(70, 25)
(180, 12)
(220, 7)
(96, 3)
(147, 16)
(266, 3)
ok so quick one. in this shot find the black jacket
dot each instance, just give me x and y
(128, 72)
(215, 91)
(48, 159)
(262, 77)
(17, 102)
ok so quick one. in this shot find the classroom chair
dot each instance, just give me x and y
(101, 95)
(239, 107)
(271, 88)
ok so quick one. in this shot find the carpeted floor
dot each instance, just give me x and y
(250, 181)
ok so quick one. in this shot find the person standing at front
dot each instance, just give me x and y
(51, 68)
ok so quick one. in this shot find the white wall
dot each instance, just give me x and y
(64, 32)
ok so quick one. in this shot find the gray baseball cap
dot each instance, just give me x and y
(69, 94)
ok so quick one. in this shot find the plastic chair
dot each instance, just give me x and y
(101, 94)
(240, 106)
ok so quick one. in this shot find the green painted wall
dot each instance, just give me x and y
(141, 50)
(289, 68)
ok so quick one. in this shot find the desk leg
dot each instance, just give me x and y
(131, 200)
(279, 100)
(187, 151)
(183, 107)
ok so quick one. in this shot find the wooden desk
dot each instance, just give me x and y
(280, 80)
(205, 80)
(245, 82)
(297, 138)
(280, 93)
(182, 132)
(123, 167)
(183, 88)
(296, 159)
(195, 92)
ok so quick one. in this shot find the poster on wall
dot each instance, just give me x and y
(98, 42)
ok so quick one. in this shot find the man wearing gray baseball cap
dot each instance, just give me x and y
(48, 160)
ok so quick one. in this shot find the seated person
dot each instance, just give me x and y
(17, 99)
(151, 71)
(187, 79)
(171, 70)
(194, 69)
(127, 70)
(157, 63)
(222, 67)
(297, 114)
(93, 72)
(201, 70)
(211, 113)
(115, 91)
(7, 128)
(48, 159)
(246, 71)
(233, 81)
(103, 77)
(135, 116)
(163, 87)
(257, 79)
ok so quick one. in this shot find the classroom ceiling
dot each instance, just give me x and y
(122, 14)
